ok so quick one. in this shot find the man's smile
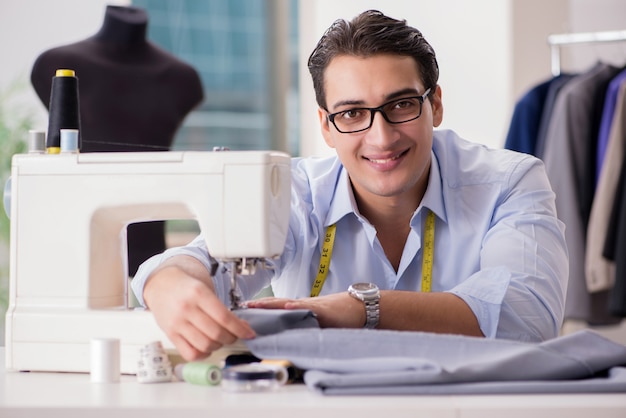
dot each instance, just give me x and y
(386, 160)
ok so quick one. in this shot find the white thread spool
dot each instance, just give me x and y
(105, 360)
(69, 140)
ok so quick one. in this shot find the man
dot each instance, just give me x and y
(457, 237)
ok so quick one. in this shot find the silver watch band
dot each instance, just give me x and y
(369, 294)
(372, 311)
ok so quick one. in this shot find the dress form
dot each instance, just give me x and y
(133, 95)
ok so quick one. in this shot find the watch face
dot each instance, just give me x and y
(365, 288)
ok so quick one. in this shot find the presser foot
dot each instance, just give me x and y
(235, 301)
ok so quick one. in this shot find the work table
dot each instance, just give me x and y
(73, 394)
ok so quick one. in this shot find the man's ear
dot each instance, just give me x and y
(437, 105)
(325, 127)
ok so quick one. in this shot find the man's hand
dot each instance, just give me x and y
(399, 310)
(339, 310)
(181, 297)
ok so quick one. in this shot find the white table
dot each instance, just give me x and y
(70, 395)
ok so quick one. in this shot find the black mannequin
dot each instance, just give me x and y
(133, 97)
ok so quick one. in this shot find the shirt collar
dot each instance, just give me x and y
(343, 202)
(433, 198)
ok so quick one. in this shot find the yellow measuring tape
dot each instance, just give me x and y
(428, 253)
(427, 260)
(327, 253)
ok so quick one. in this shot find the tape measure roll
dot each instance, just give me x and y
(154, 365)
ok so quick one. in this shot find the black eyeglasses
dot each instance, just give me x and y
(396, 111)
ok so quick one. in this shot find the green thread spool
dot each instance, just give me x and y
(199, 373)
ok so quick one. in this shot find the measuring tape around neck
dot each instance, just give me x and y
(428, 254)
(327, 253)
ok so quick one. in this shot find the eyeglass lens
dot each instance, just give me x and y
(360, 119)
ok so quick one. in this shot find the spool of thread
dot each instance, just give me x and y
(64, 109)
(240, 358)
(199, 373)
(36, 142)
(294, 374)
(105, 360)
(254, 377)
(69, 141)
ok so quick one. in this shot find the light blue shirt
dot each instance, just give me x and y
(498, 243)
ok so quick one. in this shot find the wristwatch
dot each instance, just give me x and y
(369, 294)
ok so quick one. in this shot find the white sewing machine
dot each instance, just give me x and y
(68, 258)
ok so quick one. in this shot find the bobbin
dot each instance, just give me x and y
(253, 377)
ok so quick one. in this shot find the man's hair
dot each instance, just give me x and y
(368, 34)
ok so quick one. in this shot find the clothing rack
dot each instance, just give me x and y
(559, 40)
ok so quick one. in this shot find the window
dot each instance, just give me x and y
(235, 46)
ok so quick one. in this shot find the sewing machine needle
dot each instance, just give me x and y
(234, 298)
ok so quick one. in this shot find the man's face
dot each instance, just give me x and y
(386, 160)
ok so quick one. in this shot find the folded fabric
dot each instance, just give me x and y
(347, 361)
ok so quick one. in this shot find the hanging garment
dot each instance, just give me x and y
(600, 271)
(615, 246)
(524, 127)
(566, 157)
(553, 90)
(606, 121)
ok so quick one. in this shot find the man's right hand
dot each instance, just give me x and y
(181, 297)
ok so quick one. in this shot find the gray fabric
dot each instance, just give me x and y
(271, 321)
(614, 382)
(342, 361)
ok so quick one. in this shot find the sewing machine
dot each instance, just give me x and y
(68, 257)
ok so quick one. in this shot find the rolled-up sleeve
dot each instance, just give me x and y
(221, 280)
(196, 249)
(527, 239)
(518, 291)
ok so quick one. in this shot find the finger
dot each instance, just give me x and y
(202, 341)
(219, 322)
(208, 309)
(268, 303)
(185, 349)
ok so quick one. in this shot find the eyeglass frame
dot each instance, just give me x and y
(373, 110)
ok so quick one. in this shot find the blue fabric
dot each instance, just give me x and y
(342, 361)
(272, 321)
(524, 126)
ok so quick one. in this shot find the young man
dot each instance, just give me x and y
(458, 238)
